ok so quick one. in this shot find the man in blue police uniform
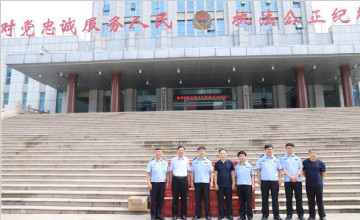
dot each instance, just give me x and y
(269, 178)
(315, 172)
(203, 172)
(156, 175)
(245, 181)
(292, 167)
(224, 183)
(179, 169)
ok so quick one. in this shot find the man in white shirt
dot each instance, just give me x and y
(179, 169)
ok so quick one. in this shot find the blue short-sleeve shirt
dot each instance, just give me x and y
(224, 173)
(244, 173)
(158, 170)
(292, 164)
(202, 169)
(269, 167)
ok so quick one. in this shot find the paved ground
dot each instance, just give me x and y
(342, 216)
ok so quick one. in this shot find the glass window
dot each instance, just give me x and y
(132, 8)
(146, 100)
(190, 5)
(211, 30)
(291, 96)
(299, 26)
(262, 97)
(220, 27)
(265, 28)
(154, 30)
(26, 80)
(219, 5)
(181, 28)
(59, 102)
(199, 5)
(200, 32)
(331, 96)
(105, 30)
(356, 95)
(181, 6)
(8, 76)
(271, 5)
(243, 6)
(136, 27)
(106, 9)
(210, 5)
(296, 4)
(6, 99)
(42, 101)
(157, 7)
(190, 28)
(246, 27)
(24, 98)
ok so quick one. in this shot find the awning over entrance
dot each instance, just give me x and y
(200, 67)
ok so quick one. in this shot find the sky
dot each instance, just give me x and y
(40, 11)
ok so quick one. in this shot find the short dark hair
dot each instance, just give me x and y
(312, 150)
(241, 152)
(221, 150)
(268, 146)
(158, 149)
(181, 147)
(201, 148)
(289, 144)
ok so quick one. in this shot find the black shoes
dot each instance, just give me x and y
(278, 218)
(311, 218)
(195, 218)
(220, 218)
(323, 218)
(264, 218)
(161, 218)
(288, 217)
(174, 217)
(230, 217)
(241, 218)
(301, 218)
(208, 218)
(183, 217)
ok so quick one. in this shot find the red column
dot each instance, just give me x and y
(347, 85)
(115, 91)
(301, 91)
(72, 93)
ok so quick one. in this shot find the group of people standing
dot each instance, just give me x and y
(225, 177)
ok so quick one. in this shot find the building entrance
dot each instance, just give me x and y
(205, 104)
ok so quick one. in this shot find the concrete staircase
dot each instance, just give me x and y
(92, 162)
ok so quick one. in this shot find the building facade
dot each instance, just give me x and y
(158, 60)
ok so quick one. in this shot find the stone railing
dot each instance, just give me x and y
(10, 111)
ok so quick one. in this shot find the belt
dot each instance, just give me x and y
(180, 177)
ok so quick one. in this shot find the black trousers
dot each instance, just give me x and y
(157, 195)
(227, 191)
(202, 190)
(296, 187)
(179, 186)
(245, 195)
(273, 186)
(311, 193)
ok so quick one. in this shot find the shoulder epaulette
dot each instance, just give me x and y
(275, 156)
(262, 155)
(208, 158)
(283, 155)
(297, 156)
(164, 159)
(249, 162)
(152, 159)
(195, 158)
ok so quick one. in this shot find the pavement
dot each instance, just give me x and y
(338, 216)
